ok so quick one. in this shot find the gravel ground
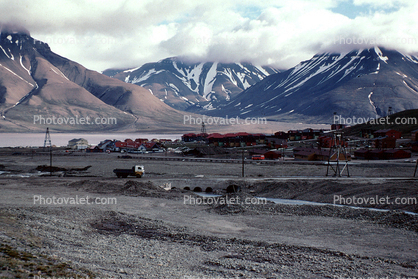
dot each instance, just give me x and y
(154, 233)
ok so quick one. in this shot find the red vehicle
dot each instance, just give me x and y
(258, 157)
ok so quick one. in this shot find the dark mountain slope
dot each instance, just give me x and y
(363, 83)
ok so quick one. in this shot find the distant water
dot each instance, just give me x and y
(61, 139)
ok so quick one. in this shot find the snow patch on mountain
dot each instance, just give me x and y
(145, 76)
(5, 52)
(372, 103)
(210, 79)
(407, 85)
(17, 75)
(23, 66)
(380, 54)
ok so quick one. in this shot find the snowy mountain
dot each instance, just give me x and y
(34, 81)
(193, 86)
(361, 83)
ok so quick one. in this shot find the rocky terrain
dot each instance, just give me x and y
(151, 232)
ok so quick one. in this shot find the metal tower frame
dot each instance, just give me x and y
(336, 150)
(47, 141)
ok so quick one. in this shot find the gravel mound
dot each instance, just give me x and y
(129, 188)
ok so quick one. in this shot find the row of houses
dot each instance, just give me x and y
(385, 138)
(242, 139)
(378, 154)
(318, 154)
(370, 133)
(246, 137)
(129, 145)
(306, 134)
(227, 140)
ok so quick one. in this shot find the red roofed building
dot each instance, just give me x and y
(141, 141)
(376, 154)
(384, 142)
(396, 154)
(328, 142)
(362, 154)
(388, 132)
(272, 155)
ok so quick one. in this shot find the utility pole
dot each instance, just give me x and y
(416, 167)
(243, 163)
(50, 160)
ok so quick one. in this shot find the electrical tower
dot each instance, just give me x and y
(338, 153)
(47, 141)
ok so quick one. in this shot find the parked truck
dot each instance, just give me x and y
(136, 170)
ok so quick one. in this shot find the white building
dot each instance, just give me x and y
(78, 144)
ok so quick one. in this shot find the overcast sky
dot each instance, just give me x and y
(103, 34)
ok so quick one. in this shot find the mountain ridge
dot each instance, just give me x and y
(362, 83)
(184, 85)
(36, 81)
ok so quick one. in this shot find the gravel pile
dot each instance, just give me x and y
(118, 245)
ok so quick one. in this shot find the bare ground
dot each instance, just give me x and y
(153, 233)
